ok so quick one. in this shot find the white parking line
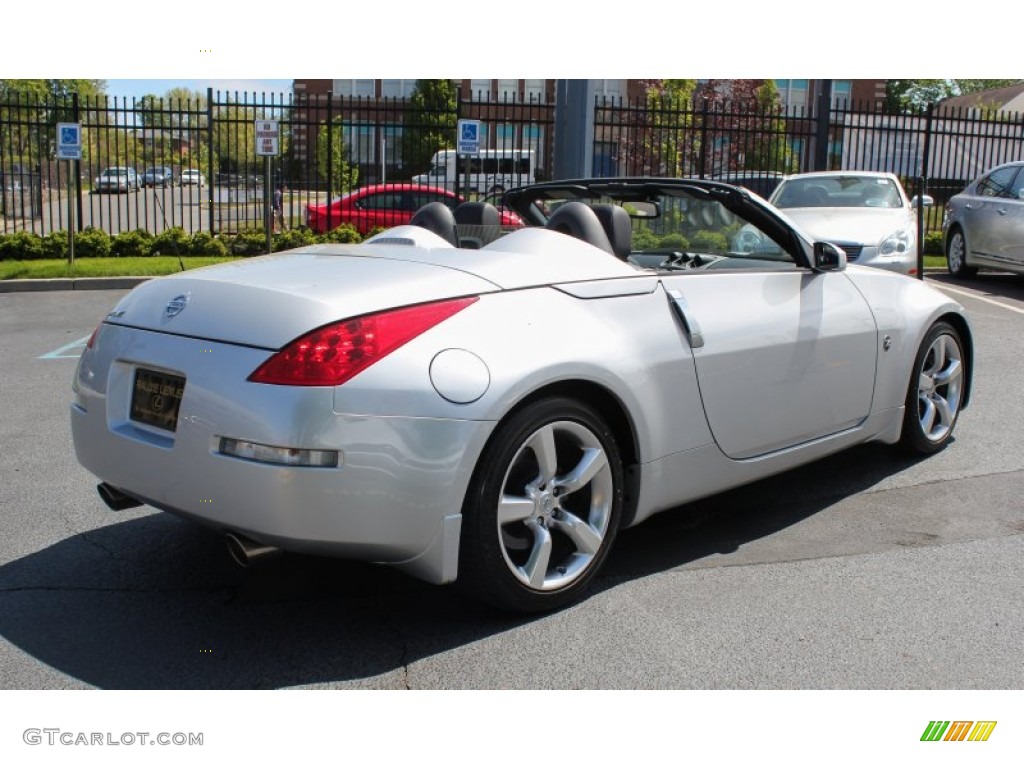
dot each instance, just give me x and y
(68, 351)
(961, 292)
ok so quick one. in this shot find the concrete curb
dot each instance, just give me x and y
(71, 284)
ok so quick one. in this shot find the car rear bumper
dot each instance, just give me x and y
(394, 497)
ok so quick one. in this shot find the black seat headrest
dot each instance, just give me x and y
(618, 226)
(579, 220)
(477, 224)
(438, 218)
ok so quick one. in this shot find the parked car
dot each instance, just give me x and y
(762, 183)
(116, 180)
(159, 176)
(495, 416)
(383, 205)
(983, 226)
(867, 214)
(190, 177)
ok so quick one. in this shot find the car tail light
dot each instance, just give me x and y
(92, 337)
(332, 355)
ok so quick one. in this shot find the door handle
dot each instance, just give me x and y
(685, 315)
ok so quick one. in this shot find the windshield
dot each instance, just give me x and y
(841, 191)
(671, 224)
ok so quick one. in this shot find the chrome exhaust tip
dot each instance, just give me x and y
(247, 552)
(115, 499)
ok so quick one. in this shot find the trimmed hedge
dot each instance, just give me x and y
(175, 241)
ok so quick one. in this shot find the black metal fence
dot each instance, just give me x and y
(215, 182)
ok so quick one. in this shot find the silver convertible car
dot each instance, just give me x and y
(487, 407)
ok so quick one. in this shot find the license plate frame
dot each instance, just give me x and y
(156, 399)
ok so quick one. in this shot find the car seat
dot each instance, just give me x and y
(579, 220)
(813, 196)
(477, 224)
(618, 227)
(437, 218)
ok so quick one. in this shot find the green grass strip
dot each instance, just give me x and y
(128, 266)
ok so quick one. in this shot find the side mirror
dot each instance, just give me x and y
(829, 258)
(926, 201)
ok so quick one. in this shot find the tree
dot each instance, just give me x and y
(912, 95)
(429, 125)
(749, 112)
(660, 141)
(332, 157)
(30, 110)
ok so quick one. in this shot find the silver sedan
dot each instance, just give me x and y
(983, 226)
(867, 214)
(495, 415)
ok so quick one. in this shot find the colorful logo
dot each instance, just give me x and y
(958, 730)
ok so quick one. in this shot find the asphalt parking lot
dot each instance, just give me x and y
(865, 570)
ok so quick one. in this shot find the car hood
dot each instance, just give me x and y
(270, 300)
(850, 225)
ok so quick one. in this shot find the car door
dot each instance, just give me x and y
(984, 214)
(1006, 236)
(784, 355)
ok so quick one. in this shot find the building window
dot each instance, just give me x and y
(534, 92)
(397, 89)
(392, 147)
(508, 90)
(841, 91)
(505, 136)
(480, 90)
(609, 89)
(361, 143)
(793, 94)
(354, 88)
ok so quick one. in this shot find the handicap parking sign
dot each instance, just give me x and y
(69, 141)
(469, 137)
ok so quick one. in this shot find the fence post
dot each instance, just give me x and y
(76, 118)
(824, 119)
(702, 159)
(209, 144)
(330, 155)
(922, 186)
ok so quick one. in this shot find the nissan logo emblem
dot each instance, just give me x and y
(176, 305)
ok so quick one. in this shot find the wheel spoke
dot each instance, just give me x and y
(938, 356)
(928, 415)
(944, 413)
(514, 509)
(587, 540)
(536, 567)
(592, 462)
(951, 375)
(543, 446)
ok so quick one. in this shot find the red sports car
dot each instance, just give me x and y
(385, 205)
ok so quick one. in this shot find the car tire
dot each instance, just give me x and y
(936, 390)
(543, 508)
(956, 255)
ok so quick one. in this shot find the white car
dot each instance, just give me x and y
(190, 177)
(867, 214)
(494, 415)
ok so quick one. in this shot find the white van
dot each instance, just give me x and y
(504, 168)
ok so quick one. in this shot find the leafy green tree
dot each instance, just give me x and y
(904, 95)
(749, 111)
(332, 157)
(661, 140)
(430, 123)
(30, 110)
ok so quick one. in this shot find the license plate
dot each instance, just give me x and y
(156, 398)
